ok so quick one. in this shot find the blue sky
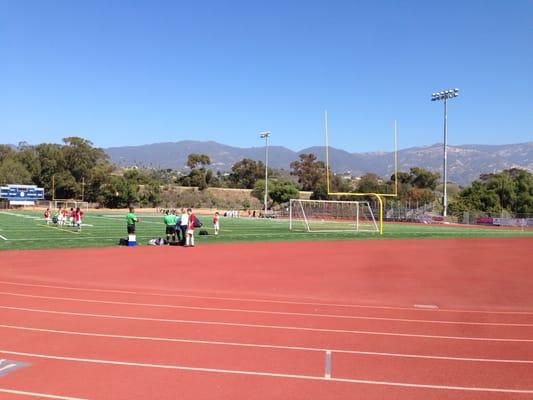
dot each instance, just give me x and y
(134, 72)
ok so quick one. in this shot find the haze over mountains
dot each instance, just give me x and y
(466, 162)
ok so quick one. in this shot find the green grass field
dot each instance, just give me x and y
(28, 230)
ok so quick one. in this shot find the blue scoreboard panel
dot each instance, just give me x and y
(21, 193)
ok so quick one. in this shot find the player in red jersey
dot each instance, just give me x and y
(78, 217)
(189, 239)
(47, 216)
(72, 218)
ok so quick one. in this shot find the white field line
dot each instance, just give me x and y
(77, 238)
(34, 217)
(356, 306)
(59, 229)
(144, 236)
(41, 395)
(270, 374)
(268, 346)
(263, 326)
(123, 222)
(3, 237)
(248, 311)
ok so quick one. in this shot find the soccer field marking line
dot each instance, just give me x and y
(268, 374)
(263, 326)
(60, 229)
(34, 217)
(41, 395)
(3, 237)
(393, 308)
(124, 221)
(270, 346)
(285, 313)
(210, 240)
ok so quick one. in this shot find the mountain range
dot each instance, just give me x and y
(465, 162)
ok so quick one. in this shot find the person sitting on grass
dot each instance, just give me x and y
(189, 240)
(131, 220)
(170, 224)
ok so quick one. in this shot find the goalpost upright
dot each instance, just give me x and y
(378, 196)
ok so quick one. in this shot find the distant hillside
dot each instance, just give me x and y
(465, 162)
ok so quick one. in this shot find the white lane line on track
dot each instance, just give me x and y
(259, 326)
(356, 306)
(41, 395)
(268, 346)
(327, 366)
(269, 374)
(248, 311)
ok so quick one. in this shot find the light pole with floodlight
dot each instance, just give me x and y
(445, 95)
(266, 135)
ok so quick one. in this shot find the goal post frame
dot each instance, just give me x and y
(355, 218)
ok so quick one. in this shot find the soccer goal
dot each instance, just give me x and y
(331, 216)
(63, 203)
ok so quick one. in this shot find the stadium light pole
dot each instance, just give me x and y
(266, 135)
(445, 96)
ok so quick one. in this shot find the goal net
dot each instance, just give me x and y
(331, 216)
(68, 204)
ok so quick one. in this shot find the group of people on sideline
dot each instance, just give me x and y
(179, 227)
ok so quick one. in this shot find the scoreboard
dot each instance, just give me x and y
(21, 194)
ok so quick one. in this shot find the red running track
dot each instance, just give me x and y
(335, 320)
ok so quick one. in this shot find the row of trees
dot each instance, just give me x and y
(509, 191)
(76, 169)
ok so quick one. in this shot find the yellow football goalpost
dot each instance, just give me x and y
(378, 196)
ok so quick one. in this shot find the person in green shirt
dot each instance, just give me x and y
(170, 220)
(131, 219)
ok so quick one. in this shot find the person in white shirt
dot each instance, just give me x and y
(216, 223)
(183, 224)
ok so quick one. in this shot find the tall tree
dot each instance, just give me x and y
(246, 172)
(198, 161)
(309, 171)
(424, 179)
